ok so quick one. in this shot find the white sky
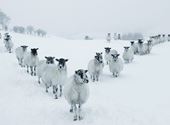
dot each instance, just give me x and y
(67, 17)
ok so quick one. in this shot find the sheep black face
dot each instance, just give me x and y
(132, 42)
(61, 63)
(149, 42)
(49, 59)
(34, 51)
(99, 57)
(115, 56)
(81, 76)
(107, 49)
(126, 48)
(24, 47)
(140, 41)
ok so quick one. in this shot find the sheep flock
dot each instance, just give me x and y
(52, 72)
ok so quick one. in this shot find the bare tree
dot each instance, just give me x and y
(19, 29)
(30, 30)
(4, 20)
(40, 32)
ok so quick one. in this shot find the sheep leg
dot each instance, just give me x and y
(97, 77)
(22, 63)
(18, 61)
(34, 71)
(71, 109)
(46, 89)
(79, 112)
(116, 74)
(31, 70)
(93, 78)
(55, 89)
(27, 69)
(75, 112)
(39, 80)
(61, 90)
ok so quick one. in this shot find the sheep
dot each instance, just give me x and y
(31, 61)
(148, 46)
(108, 38)
(155, 39)
(108, 53)
(76, 92)
(163, 38)
(134, 47)
(42, 65)
(141, 47)
(55, 76)
(116, 65)
(168, 37)
(8, 43)
(20, 52)
(95, 67)
(128, 54)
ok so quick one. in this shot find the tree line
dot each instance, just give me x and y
(4, 25)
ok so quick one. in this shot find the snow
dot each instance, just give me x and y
(139, 96)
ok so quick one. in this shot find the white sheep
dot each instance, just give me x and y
(128, 54)
(141, 48)
(42, 66)
(168, 37)
(116, 65)
(148, 46)
(108, 38)
(108, 53)
(20, 53)
(8, 43)
(95, 67)
(55, 76)
(134, 47)
(76, 92)
(31, 61)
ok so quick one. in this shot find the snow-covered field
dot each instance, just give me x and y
(139, 96)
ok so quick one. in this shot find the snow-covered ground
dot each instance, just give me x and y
(139, 96)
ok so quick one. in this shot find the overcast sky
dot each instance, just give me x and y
(67, 17)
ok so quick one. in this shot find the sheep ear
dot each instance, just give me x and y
(76, 72)
(66, 60)
(86, 71)
(53, 57)
(37, 48)
(118, 55)
(46, 57)
(112, 55)
(57, 60)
